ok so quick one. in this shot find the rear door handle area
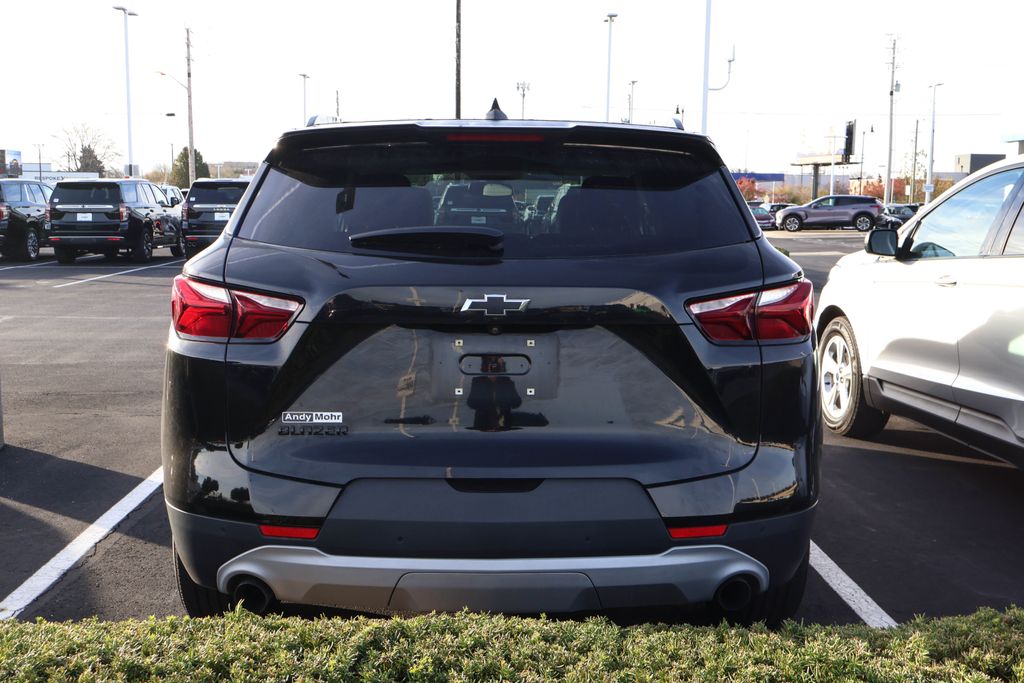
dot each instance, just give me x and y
(946, 281)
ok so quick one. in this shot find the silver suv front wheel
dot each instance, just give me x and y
(843, 406)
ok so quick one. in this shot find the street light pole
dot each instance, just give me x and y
(128, 82)
(929, 186)
(608, 88)
(707, 67)
(894, 88)
(188, 88)
(39, 167)
(913, 164)
(305, 77)
(632, 92)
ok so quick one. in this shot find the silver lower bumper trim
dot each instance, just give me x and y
(678, 576)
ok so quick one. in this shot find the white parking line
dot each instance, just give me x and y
(847, 589)
(123, 272)
(42, 263)
(59, 564)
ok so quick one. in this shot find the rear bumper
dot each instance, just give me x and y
(218, 552)
(570, 584)
(88, 241)
(200, 239)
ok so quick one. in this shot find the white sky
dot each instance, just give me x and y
(803, 67)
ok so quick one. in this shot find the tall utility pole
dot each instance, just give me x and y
(188, 87)
(929, 187)
(337, 104)
(832, 153)
(893, 89)
(707, 67)
(632, 92)
(523, 87)
(913, 165)
(608, 88)
(128, 83)
(39, 167)
(458, 59)
(305, 77)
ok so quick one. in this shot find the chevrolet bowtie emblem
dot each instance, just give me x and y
(495, 304)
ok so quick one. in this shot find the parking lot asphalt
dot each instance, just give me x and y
(922, 524)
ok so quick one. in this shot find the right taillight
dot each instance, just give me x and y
(208, 312)
(5, 211)
(775, 314)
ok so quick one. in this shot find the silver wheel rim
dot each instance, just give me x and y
(863, 223)
(836, 378)
(32, 244)
(792, 224)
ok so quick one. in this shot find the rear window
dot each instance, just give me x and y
(214, 193)
(588, 200)
(10, 192)
(86, 193)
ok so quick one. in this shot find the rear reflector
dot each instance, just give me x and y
(680, 532)
(779, 313)
(213, 313)
(300, 532)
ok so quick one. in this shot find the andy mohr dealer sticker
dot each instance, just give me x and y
(311, 418)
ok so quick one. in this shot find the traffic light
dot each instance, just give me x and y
(851, 133)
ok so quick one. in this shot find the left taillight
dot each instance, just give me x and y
(206, 312)
(775, 314)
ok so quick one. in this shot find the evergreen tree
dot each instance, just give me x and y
(88, 161)
(179, 172)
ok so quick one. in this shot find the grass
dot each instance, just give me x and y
(987, 645)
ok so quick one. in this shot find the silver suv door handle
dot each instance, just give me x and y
(946, 281)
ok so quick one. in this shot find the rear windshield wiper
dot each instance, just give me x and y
(444, 240)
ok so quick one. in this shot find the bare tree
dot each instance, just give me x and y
(86, 146)
(159, 174)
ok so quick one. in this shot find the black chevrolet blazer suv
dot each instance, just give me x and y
(379, 401)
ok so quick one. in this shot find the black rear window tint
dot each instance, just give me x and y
(213, 193)
(606, 201)
(87, 193)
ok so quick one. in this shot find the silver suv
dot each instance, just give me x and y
(834, 211)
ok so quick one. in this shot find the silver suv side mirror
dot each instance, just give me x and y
(882, 242)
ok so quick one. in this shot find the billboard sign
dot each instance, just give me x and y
(10, 163)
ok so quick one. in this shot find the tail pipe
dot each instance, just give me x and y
(736, 593)
(254, 594)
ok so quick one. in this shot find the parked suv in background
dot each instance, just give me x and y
(207, 209)
(111, 216)
(172, 192)
(368, 406)
(23, 224)
(928, 321)
(834, 211)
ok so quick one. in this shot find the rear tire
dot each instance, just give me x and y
(792, 223)
(863, 222)
(29, 249)
(142, 252)
(844, 409)
(178, 248)
(197, 600)
(64, 255)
